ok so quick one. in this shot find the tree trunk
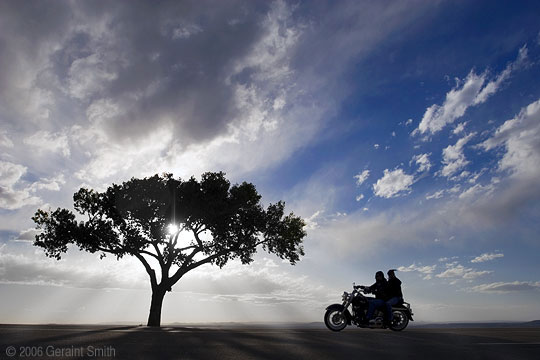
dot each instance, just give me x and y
(154, 318)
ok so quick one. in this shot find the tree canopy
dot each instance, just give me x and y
(145, 217)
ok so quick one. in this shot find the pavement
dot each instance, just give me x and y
(139, 342)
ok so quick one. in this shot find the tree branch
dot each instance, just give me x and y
(149, 270)
(184, 269)
(196, 234)
(187, 248)
(159, 254)
(180, 272)
(157, 257)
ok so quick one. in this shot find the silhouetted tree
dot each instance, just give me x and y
(136, 218)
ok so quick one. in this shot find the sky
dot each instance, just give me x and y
(405, 133)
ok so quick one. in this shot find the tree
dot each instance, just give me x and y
(144, 218)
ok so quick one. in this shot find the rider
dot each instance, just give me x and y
(395, 296)
(380, 289)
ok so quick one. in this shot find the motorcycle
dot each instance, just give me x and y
(338, 316)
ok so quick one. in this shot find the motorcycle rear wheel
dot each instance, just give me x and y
(335, 320)
(400, 321)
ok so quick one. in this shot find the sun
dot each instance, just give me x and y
(172, 228)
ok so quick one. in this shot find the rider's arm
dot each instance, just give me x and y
(372, 288)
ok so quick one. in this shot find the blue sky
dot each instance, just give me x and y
(407, 134)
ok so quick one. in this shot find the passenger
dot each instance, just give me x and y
(380, 290)
(395, 296)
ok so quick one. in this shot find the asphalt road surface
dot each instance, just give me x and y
(132, 342)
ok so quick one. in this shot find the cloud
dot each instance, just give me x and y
(361, 177)
(186, 31)
(487, 257)
(459, 128)
(5, 141)
(443, 259)
(10, 197)
(472, 91)
(221, 89)
(359, 197)
(453, 156)
(494, 85)
(28, 235)
(311, 222)
(455, 270)
(520, 138)
(418, 268)
(10, 173)
(427, 271)
(506, 287)
(50, 184)
(422, 160)
(393, 183)
(45, 141)
(436, 195)
(456, 103)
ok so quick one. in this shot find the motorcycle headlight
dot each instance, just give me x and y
(345, 296)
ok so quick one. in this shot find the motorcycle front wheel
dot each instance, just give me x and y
(400, 321)
(335, 320)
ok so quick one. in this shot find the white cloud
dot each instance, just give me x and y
(443, 259)
(494, 85)
(456, 103)
(487, 257)
(51, 184)
(473, 191)
(311, 222)
(10, 173)
(426, 269)
(459, 128)
(376, 146)
(11, 198)
(110, 159)
(436, 195)
(519, 136)
(361, 177)
(359, 197)
(454, 158)
(469, 92)
(27, 235)
(46, 141)
(393, 183)
(455, 270)
(506, 287)
(14, 199)
(422, 160)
